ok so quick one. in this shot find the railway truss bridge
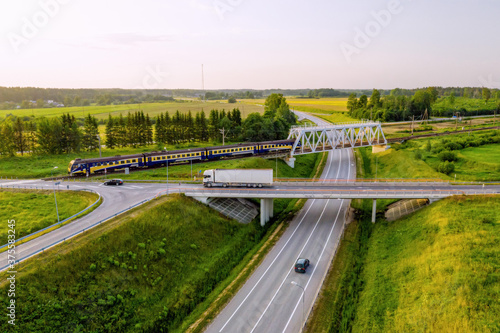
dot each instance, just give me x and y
(317, 139)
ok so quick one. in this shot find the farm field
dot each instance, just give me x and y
(35, 210)
(153, 109)
(330, 109)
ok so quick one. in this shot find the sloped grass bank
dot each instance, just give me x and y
(35, 210)
(436, 270)
(144, 272)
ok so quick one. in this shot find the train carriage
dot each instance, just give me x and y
(275, 146)
(239, 149)
(159, 158)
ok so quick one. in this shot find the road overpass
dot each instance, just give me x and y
(341, 189)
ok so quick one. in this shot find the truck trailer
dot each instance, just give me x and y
(238, 177)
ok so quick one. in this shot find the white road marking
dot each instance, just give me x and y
(284, 246)
(298, 302)
(305, 244)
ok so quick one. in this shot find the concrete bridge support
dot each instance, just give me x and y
(266, 210)
(374, 210)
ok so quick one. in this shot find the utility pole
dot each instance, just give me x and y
(99, 138)
(223, 131)
(412, 126)
(202, 83)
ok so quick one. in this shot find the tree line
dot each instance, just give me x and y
(61, 135)
(399, 106)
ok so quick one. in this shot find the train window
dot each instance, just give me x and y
(128, 161)
(121, 162)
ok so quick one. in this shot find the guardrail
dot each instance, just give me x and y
(76, 233)
(60, 222)
(335, 193)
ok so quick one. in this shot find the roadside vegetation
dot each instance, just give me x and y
(434, 270)
(145, 273)
(35, 209)
(473, 157)
(150, 268)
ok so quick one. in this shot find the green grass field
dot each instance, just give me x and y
(153, 109)
(436, 270)
(146, 271)
(35, 210)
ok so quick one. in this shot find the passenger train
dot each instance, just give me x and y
(161, 158)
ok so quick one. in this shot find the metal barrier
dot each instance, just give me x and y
(74, 234)
(65, 220)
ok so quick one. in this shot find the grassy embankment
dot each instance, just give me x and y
(430, 271)
(147, 270)
(478, 158)
(153, 109)
(35, 210)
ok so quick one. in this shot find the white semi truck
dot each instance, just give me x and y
(238, 177)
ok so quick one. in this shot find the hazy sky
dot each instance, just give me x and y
(249, 43)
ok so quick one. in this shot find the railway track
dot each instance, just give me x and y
(273, 155)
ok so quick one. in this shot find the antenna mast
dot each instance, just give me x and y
(202, 83)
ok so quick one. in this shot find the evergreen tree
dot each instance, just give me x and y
(160, 130)
(149, 130)
(90, 140)
(189, 127)
(122, 138)
(203, 127)
(111, 140)
(168, 129)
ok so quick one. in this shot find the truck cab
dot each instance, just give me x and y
(208, 178)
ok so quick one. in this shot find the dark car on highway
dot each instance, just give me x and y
(113, 182)
(301, 265)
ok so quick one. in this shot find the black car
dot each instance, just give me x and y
(301, 265)
(113, 182)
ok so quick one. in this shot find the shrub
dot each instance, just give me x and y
(428, 146)
(453, 146)
(447, 156)
(141, 245)
(418, 154)
(93, 267)
(446, 167)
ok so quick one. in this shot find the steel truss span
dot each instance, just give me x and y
(314, 139)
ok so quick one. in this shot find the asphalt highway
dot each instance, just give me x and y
(268, 301)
